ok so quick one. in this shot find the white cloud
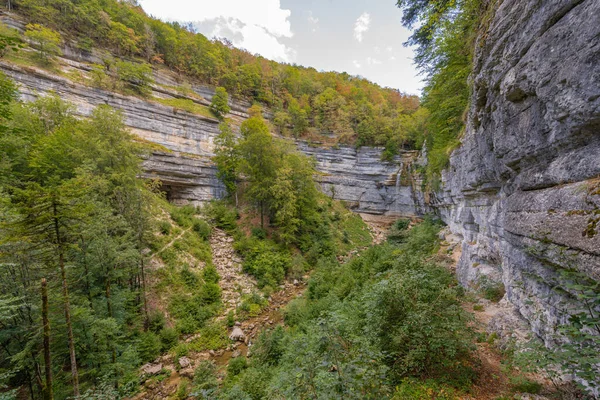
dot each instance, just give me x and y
(392, 58)
(257, 29)
(361, 26)
(373, 61)
(389, 49)
(356, 64)
(313, 21)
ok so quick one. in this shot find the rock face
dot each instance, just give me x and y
(523, 190)
(365, 182)
(185, 169)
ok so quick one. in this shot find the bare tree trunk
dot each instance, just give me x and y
(65, 287)
(143, 273)
(47, 361)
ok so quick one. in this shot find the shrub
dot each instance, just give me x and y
(149, 346)
(169, 338)
(201, 228)
(211, 337)
(190, 278)
(259, 233)
(224, 216)
(220, 103)
(46, 40)
(165, 227)
(236, 366)
(136, 77)
(230, 318)
(210, 293)
(156, 322)
(205, 379)
(183, 216)
(210, 274)
(524, 385)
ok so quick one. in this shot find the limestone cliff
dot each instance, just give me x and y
(184, 165)
(522, 189)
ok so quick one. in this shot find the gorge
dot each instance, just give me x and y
(520, 194)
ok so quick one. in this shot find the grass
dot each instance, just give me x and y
(186, 105)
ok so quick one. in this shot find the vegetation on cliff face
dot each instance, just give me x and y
(445, 42)
(305, 101)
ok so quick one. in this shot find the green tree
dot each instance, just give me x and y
(227, 158)
(220, 103)
(46, 41)
(281, 120)
(259, 158)
(136, 77)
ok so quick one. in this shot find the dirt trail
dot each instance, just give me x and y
(492, 381)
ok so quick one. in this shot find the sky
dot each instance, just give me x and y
(360, 37)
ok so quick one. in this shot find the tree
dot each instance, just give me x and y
(281, 119)
(259, 157)
(136, 77)
(46, 40)
(46, 327)
(227, 158)
(220, 103)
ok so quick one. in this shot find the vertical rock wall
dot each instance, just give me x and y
(523, 190)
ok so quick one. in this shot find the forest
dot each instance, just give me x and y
(108, 291)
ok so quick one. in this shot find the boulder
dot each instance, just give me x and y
(237, 334)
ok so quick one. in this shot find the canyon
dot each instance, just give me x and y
(521, 193)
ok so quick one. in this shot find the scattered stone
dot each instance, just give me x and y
(238, 323)
(237, 334)
(211, 352)
(187, 373)
(184, 362)
(236, 354)
(151, 369)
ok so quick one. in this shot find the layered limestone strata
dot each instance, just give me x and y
(184, 164)
(523, 190)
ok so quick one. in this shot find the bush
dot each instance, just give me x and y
(211, 337)
(190, 278)
(156, 322)
(149, 346)
(220, 103)
(183, 216)
(259, 233)
(165, 227)
(46, 40)
(205, 379)
(236, 366)
(210, 274)
(169, 338)
(210, 293)
(136, 77)
(523, 385)
(225, 217)
(201, 228)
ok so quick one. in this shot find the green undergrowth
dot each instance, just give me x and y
(336, 232)
(187, 282)
(386, 324)
(186, 105)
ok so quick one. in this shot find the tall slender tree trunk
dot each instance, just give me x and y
(47, 361)
(65, 287)
(143, 279)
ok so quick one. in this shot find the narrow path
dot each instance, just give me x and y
(170, 243)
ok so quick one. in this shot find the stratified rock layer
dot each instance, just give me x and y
(184, 166)
(523, 189)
